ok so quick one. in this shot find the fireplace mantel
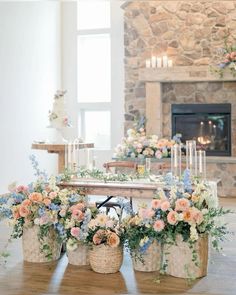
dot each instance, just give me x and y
(182, 74)
(154, 77)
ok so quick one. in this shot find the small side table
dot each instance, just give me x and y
(60, 150)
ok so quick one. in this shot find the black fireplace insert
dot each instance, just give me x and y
(208, 124)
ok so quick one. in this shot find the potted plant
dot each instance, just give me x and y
(75, 217)
(106, 238)
(33, 211)
(144, 234)
(191, 218)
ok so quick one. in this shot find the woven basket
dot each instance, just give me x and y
(80, 256)
(179, 258)
(151, 259)
(105, 259)
(32, 247)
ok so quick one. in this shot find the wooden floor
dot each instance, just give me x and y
(19, 278)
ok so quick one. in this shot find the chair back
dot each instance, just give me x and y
(120, 164)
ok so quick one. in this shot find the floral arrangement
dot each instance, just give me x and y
(227, 58)
(75, 216)
(143, 227)
(138, 145)
(190, 213)
(37, 204)
(106, 230)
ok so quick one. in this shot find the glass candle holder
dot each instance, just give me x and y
(176, 160)
(201, 164)
(191, 157)
(148, 165)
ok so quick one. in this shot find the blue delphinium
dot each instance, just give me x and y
(41, 211)
(17, 197)
(3, 200)
(187, 180)
(35, 166)
(60, 229)
(177, 138)
(54, 207)
(74, 198)
(144, 248)
(5, 212)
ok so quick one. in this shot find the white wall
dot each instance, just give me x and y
(29, 76)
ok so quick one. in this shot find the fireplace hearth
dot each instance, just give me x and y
(208, 124)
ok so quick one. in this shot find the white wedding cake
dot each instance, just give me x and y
(58, 116)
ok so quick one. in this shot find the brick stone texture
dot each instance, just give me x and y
(190, 33)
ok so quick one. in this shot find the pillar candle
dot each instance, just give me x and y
(148, 63)
(170, 63)
(159, 62)
(153, 61)
(165, 61)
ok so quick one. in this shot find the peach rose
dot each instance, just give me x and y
(47, 201)
(62, 213)
(36, 197)
(16, 213)
(188, 216)
(98, 237)
(197, 216)
(165, 205)
(26, 202)
(75, 232)
(172, 217)
(158, 225)
(146, 213)
(156, 203)
(80, 206)
(113, 240)
(23, 210)
(77, 214)
(182, 204)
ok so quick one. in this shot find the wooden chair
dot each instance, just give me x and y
(131, 166)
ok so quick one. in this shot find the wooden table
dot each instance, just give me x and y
(121, 189)
(60, 150)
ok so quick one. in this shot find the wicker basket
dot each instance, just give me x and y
(179, 258)
(151, 259)
(80, 256)
(105, 259)
(32, 247)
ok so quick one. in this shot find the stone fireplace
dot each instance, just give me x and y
(190, 33)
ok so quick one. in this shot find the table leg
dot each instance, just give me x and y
(61, 162)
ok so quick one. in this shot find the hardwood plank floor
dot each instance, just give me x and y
(21, 278)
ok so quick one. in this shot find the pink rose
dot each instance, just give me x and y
(197, 216)
(182, 204)
(146, 213)
(75, 232)
(23, 211)
(77, 214)
(165, 205)
(156, 203)
(158, 225)
(52, 195)
(172, 217)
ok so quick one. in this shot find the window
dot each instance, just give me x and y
(94, 71)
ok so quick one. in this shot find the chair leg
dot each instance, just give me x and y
(131, 203)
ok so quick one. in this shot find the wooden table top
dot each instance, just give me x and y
(125, 189)
(58, 146)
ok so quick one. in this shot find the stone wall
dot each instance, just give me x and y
(190, 33)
